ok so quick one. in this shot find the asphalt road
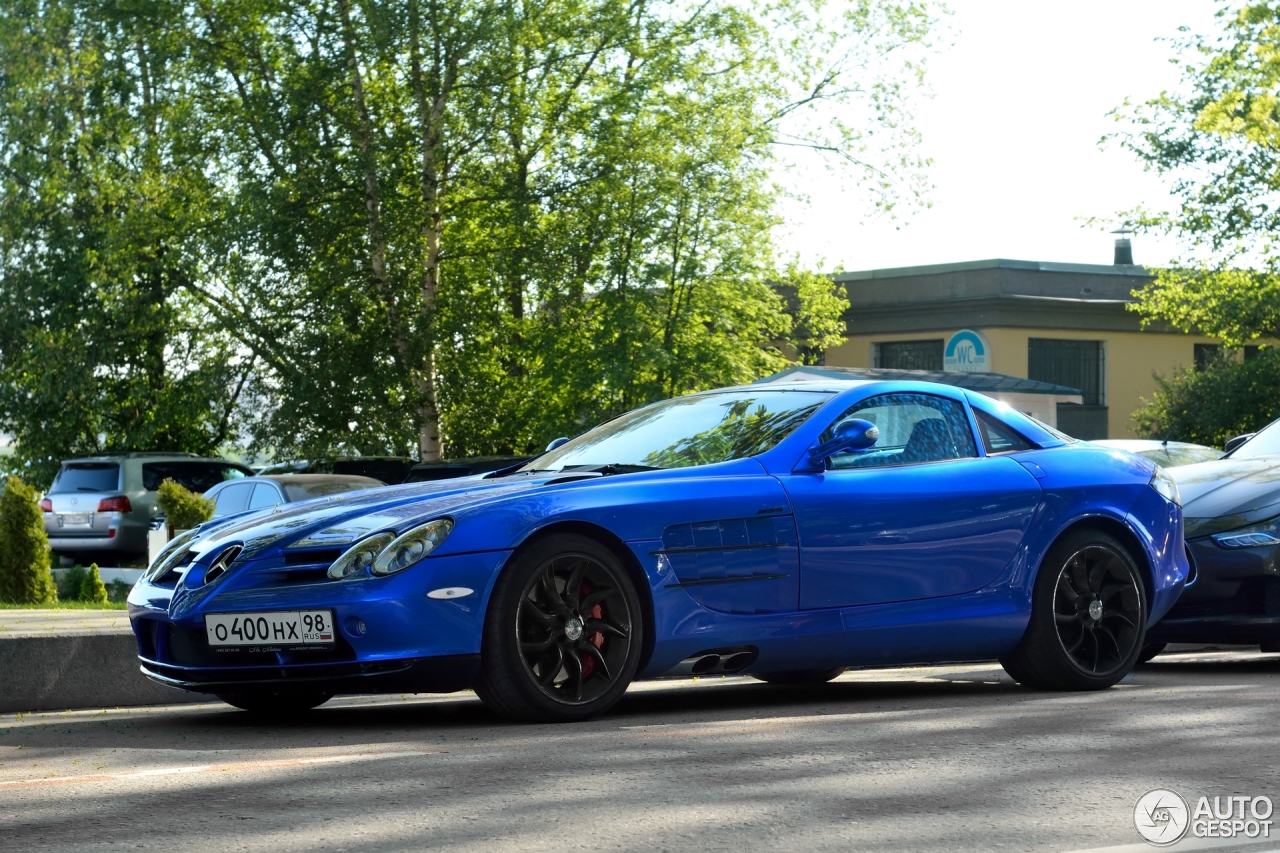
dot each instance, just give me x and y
(947, 758)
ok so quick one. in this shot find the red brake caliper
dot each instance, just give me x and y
(596, 639)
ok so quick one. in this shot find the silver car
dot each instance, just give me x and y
(273, 490)
(102, 506)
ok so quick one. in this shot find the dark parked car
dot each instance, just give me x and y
(1166, 454)
(448, 469)
(264, 492)
(1232, 516)
(102, 506)
(388, 469)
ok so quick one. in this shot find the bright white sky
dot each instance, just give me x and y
(1020, 100)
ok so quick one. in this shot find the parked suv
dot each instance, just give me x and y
(103, 505)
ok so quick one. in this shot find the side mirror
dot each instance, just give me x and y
(556, 442)
(854, 434)
(1233, 443)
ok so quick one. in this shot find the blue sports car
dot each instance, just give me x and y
(782, 531)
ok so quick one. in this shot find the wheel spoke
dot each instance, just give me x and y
(601, 666)
(1065, 587)
(1112, 590)
(1065, 618)
(553, 595)
(589, 603)
(1097, 574)
(1079, 577)
(594, 625)
(574, 666)
(530, 609)
(1117, 615)
(548, 676)
(1113, 640)
(1079, 641)
(1097, 647)
(573, 588)
(540, 646)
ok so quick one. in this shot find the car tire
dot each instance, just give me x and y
(801, 676)
(275, 703)
(1149, 651)
(1088, 617)
(563, 633)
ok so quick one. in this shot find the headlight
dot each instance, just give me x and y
(1267, 533)
(1164, 484)
(357, 559)
(411, 547)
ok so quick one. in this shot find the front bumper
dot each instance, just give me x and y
(389, 636)
(413, 675)
(1233, 597)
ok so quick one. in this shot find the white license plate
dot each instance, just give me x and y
(280, 629)
(75, 519)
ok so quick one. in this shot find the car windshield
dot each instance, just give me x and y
(198, 476)
(87, 477)
(1265, 443)
(696, 430)
(305, 491)
(1173, 456)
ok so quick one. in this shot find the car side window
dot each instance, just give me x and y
(914, 428)
(232, 499)
(263, 495)
(999, 437)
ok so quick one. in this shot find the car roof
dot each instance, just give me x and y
(155, 456)
(1145, 444)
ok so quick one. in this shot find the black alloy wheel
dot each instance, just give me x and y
(1088, 617)
(563, 633)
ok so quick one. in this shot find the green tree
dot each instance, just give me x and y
(24, 548)
(92, 589)
(1215, 140)
(104, 200)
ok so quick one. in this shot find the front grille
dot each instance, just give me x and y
(311, 558)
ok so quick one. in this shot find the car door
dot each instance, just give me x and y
(265, 495)
(232, 499)
(920, 515)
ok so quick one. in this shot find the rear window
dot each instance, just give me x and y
(323, 488)
(196, 476)
(87, 477)
(999, 437)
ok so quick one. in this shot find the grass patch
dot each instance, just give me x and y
(69, 605)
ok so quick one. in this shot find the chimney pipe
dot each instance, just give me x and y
(1124, 248)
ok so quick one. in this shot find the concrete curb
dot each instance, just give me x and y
(86, 671)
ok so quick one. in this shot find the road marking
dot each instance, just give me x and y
(230, 767)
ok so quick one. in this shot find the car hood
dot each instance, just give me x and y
(339, 520)
(1228, 493)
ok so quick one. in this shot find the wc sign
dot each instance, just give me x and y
(966, 351)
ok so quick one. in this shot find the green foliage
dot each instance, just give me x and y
(1216, 141)
(118, 591)
(92, 589)
(24, 548)
(69, 581)
(1208, 407)
(411, 225)
(104, 201)
(182, 507)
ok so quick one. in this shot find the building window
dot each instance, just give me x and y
(1250, 353)
(1076, 364)
(909, 355)
(1207, 354)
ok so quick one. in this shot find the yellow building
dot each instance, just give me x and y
(1065, 324)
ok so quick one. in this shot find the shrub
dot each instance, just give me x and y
(182, 507)
(1225, 399)
(24, 548)
(92, 588)
(70, 581)
(118, 591)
